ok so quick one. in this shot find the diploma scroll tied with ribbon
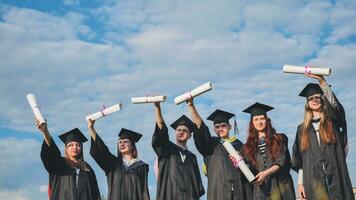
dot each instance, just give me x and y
(35, 108)
(196, 92)
(306, 70)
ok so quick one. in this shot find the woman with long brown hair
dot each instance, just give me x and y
(70, 177)
(319, 149)
(267, 152)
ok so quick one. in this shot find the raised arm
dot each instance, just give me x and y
(193, 111)
(44, 130)
(158, 115)
(99, 151)
(160, 138)
(50, 154)
(202, 137)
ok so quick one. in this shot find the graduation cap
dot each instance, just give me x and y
(128, 134)
(258, 109)
(73, 135)
(219, 116)
(311, 89)
(183, 121)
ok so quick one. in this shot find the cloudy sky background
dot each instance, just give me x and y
(76, 56)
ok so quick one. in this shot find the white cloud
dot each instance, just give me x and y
(157, 48)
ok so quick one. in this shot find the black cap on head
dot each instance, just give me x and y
(128, 134)
(310, 89)
(258, 109)
(220, 116)
(183, 121)
(73, 135)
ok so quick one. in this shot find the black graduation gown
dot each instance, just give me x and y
(124, 183)
(177, 180)
(336, 176)
(225, 181)
(62, 177)
(278, 186)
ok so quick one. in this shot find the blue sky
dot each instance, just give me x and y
(76, 56)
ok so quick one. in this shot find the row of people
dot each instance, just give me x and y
(318, 156)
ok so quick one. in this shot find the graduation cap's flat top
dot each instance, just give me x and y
(220, 116)
(128, 134)
(73, 135)
(185, 121)
(258, 109)
(310, 89)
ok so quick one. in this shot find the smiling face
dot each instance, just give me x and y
(125, 146)
(182, 134)
(259, 122)
(222, 129)
(314, 102)
(74, 150)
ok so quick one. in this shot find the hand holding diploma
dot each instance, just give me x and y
(104, 112)
(35, 108)
(148, 99)
(196, 92)
(306, 70)
(239, 161)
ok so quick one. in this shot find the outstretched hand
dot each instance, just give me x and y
(42, 127)
(320, 78)
(91, 123)
(190, 101)
(157, 104)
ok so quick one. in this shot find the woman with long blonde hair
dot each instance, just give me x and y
(70, 177)
(319, 154)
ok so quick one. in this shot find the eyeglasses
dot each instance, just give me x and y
(314, 98)
(219, 126)
(182, 130)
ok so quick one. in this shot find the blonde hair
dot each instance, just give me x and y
(326, 130)
(80, 163)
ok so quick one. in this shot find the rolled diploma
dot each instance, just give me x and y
(306, 70)
(148, 99)
(35, 108)
(197, 91)
(241, 163)
(103, 113)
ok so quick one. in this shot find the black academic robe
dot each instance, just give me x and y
(124, 183)
(278, 186)
(62, 178)
(177, 180)
(225, 181)
(335, 183)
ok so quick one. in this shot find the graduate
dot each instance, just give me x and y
(225, 182)
(267, 151)
(70, 177)
(126, 173)
(319, 154)
(179, 176)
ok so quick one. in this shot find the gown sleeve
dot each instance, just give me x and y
(51, 157)
(145, 182)
(202, 139)
(160, 140)
(297, 161)
(284, 158)
(101, 154)
(335, 111)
